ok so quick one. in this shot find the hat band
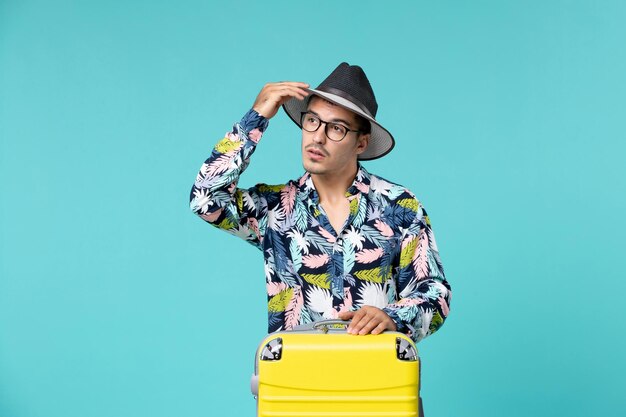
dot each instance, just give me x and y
(348, 97)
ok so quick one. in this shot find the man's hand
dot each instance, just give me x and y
(368, 319)
(273, 95)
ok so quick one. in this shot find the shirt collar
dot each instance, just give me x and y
(361, 184)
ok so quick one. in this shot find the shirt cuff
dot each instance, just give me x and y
(253, 120)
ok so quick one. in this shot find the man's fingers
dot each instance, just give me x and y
(346, 315)
(359, 320)
(270, 88)
(368, 320)
(299, 94)
(382, 326)
(274, 95)
(370, 325)
(291, 83)
(289, 91)
(284, 93)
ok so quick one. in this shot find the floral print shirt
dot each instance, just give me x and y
(385, 256)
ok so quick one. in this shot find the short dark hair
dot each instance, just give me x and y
(364, 125)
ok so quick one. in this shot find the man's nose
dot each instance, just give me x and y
(319, 136)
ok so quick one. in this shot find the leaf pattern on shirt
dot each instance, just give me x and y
(386, 255)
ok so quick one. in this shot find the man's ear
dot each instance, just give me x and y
(362, 142)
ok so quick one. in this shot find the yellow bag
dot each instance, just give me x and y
(321, 370)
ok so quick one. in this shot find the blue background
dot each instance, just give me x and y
(509, 118)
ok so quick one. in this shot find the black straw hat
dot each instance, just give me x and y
(348, 87)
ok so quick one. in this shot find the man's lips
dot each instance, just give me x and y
(316, 153)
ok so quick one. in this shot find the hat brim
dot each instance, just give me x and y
(381, 141)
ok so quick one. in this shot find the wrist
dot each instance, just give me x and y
(399, 324)
(253, 120)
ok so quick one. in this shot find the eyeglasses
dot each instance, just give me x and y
(334, 131)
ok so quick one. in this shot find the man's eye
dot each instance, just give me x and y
(338, 128)
(311, 119)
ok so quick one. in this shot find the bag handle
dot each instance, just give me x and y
(325, 325)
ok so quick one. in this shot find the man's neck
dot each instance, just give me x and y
(332, 188)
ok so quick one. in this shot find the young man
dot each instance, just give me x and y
(338, 242)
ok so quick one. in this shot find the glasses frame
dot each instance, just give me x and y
(322, 122)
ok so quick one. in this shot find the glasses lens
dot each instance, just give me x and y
(336, 131)
(310, 123)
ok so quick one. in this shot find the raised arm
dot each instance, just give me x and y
(215, 196)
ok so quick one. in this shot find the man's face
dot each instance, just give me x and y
(322, 156)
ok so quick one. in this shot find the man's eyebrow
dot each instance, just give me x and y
(334, 120)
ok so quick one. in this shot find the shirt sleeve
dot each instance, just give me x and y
(423, 291)
(215, 196)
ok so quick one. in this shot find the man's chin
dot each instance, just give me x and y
(312, 167)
